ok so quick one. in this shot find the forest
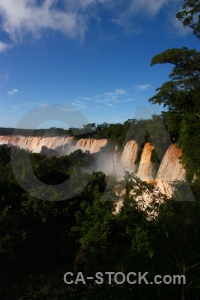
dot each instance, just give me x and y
(41, 240)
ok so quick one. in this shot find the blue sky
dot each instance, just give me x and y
(90, 55)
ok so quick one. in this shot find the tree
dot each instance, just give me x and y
(190, 17)
(181, 93)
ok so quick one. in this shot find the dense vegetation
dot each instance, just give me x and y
(155, 130)
(180, 95)
(41, 240)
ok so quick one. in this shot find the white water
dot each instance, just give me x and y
(35, 144)
(170, 170)
(145, 170)
(91, 145)
(129, 155)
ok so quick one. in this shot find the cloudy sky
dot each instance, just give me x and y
(90, 55)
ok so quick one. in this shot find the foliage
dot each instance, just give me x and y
(41, 240)
(190, 142)
(189, 16)
(44, 239)
(181, 93)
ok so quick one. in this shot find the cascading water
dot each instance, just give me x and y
(145, 170)
(91, 145)
(129, 155)
(170, 170)
(35, 144)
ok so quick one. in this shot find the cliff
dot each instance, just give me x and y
(170, 168)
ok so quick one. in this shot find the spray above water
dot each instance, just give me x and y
(107, 158)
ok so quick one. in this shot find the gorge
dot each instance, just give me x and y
(169, 169)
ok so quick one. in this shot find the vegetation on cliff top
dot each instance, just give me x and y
(41, 240)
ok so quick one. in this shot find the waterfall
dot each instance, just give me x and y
(145, 170)
(129, 154)
(170, 170)
(91, 145)
(35, 144)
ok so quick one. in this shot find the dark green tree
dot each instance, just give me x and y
(190, 15)
(181, 93)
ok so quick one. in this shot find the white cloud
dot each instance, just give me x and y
(12, 92)
(33, 17)
(120, 92)
(129, 27)
(71, 17)
(142, 87)
(112, 98)
(146, 9)
(79, 105)
(4, 46)
(150, 6)
(27, 17)
(106, 99)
